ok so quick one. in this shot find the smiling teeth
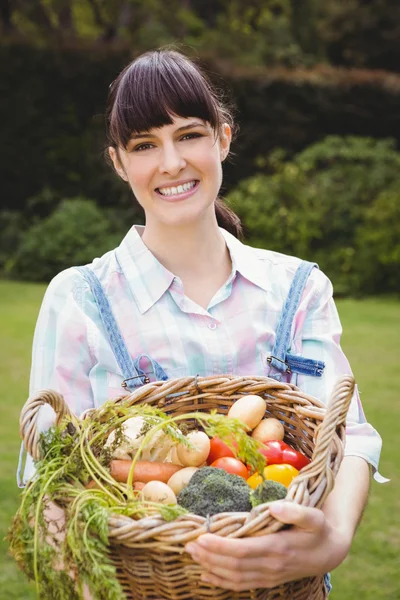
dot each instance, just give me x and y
(180, 189)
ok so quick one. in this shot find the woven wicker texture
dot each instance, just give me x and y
(149, 552)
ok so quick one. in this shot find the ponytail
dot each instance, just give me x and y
(227, 219)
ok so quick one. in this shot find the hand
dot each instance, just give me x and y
(311, 547)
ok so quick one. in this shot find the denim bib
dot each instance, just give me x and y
(281, 362)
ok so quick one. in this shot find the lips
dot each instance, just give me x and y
(173, 190)
(179, 191)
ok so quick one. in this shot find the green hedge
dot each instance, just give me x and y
(336, 203)
(74, 234)
(52, 102)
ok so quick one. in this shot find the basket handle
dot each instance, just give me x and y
(316, 480)
(28, 421)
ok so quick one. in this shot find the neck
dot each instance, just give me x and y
(188, 251)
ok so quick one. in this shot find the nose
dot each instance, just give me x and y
(171, 160)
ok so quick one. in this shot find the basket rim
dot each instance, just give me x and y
(258, 521)
(309, 488)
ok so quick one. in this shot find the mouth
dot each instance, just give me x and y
(178, 192)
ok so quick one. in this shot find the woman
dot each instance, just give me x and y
(189, 298)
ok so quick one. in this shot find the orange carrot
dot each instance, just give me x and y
(145, 470)
(92, 485)
(138, 486)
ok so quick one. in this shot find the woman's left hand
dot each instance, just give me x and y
(311, 547)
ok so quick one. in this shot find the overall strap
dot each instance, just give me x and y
(279, 358)
(132, 373)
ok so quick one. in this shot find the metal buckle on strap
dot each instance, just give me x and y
(146, 379)
(269, 360)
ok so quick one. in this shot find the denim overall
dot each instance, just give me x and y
(282, 363)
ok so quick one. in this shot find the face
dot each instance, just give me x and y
(174, 171)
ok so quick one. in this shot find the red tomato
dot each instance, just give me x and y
(272, 451)
(277, 453)
(294, 458)
(218, 450)
(231, 465)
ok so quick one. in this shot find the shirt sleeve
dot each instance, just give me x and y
(317, 333)
(61, 356)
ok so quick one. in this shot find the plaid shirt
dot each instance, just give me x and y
(235, 335)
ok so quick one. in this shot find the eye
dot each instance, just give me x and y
(191, 136)
(142, 147)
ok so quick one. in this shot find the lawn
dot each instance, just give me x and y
(371, 341)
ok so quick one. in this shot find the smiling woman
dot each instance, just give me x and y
(182, 297)
(163, 107)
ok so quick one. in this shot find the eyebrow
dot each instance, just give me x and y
(144, 134)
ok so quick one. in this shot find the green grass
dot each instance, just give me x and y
(371, 341)
(19, 305)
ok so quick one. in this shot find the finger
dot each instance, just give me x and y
(234, 586)
(225, 547)
(226, 564)
(209, 559)
(246, 573)
(268, 561)
(304, 517)
(238, 577)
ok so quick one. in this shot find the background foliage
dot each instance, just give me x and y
(317, 94)
(315, 173)
(75, 232)
(337, 203)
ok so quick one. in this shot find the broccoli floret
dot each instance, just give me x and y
(268, 491)
(211, 491)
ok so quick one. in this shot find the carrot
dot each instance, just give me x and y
(145, 470)
(138, 486)
(92, 485)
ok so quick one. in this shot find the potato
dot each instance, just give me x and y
(157, 491)
(269, 429)
(181, 478)
(189, 457)
(249, 409)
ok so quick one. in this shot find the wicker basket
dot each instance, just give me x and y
(149, 553)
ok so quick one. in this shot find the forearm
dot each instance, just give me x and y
(55, 517)
(345, 505)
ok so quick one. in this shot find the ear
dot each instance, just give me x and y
(113, 152)
(225, 140)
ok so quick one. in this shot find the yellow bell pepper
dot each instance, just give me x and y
(255, 480)
(282, 473)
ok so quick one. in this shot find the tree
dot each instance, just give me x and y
(75, 233)
(336, 203)
(249, 33)
(6, 10)
(361, 33)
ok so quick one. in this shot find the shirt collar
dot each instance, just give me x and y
(148, 279)
(246, 260)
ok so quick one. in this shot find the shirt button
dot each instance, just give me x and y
(212, 326)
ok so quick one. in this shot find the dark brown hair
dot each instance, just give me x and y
(157, 85)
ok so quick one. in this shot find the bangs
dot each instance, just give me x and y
(154, 88)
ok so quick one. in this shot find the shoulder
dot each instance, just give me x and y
(72, 282)
(281, 269)
(275, 260)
